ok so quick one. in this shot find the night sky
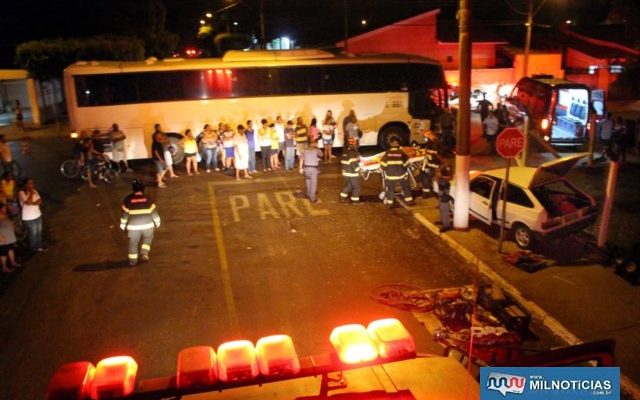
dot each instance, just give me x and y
(313, 23)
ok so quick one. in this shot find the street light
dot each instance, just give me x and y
(209, 15)
(202, 22)
(363, 22)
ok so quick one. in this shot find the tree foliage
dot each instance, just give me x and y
(628, 83)
(47, 58)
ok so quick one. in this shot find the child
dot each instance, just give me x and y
(227, 143)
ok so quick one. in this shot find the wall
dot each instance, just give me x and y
(539, 63)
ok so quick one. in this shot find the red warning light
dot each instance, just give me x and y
(114, 377)
(277, 356)
(71, 381)
(237, 361)
(196, 367)
(353, 344)
(391, 338)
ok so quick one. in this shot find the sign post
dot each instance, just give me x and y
(509, 144)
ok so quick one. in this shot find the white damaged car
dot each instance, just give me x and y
(541, 202)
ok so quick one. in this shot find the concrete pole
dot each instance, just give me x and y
(592, 137)
(527, 45)
(608, 202)
(522, 158)
(463, 147)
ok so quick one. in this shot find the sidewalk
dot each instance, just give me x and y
(576, 297)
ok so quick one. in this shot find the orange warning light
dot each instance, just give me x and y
(71, 381)
(237, 361)
(277, 356)
(196, 367)
(353, 344)
(114, 377)
(391, 338)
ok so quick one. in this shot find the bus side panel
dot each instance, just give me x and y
(137, 146)
(137, 120)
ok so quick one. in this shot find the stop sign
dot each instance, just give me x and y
(510, 142)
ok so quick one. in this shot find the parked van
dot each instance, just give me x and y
(558, 109)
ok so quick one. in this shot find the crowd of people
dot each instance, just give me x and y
(18, 207)
(618, 136)
(233, 149)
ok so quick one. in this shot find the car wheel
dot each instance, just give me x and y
(523, 236)
(392, 132)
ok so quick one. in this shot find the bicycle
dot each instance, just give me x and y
(104, 169)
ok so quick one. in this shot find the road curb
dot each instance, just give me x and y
(626, 384)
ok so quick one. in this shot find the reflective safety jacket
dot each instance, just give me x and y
(139, 213)
(394, 163)
(350, 164)
(431, 161)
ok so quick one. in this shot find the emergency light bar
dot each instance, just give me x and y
(236, 364)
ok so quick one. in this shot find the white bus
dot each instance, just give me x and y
(392, 95)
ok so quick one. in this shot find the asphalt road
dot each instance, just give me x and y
(231, 260)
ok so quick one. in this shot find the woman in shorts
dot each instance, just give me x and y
(328, 133)
(190, 152)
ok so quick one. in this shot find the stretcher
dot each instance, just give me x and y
(371, 165)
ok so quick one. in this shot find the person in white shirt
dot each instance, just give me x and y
(119, 151)
(605, 132)
(31, 215)
(279, 127)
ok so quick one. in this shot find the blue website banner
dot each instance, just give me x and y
(549, 383)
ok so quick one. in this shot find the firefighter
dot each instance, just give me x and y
(139, 218)
(394, 165)
(351, 173)
(430, 164)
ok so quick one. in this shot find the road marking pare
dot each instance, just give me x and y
(276, 205)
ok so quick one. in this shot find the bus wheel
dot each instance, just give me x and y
(177, 152)
(392, 132)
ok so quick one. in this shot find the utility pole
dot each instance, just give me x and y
(610, 192)
(463, 146)
(527, 45)
(346, 26)
(262, 37)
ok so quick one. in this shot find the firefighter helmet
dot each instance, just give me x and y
(137, 185)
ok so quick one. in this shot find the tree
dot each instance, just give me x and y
(46, 59)
(628, 83)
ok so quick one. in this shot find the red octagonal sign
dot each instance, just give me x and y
(510, 142)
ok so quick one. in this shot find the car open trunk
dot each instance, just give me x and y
(563, 202)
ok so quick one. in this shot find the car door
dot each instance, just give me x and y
(482, 188)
